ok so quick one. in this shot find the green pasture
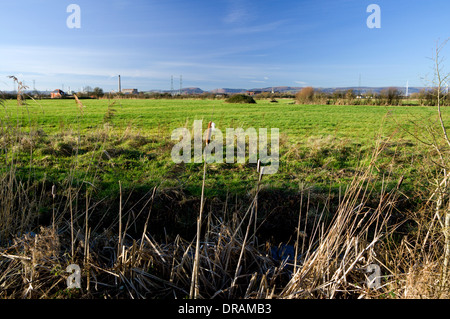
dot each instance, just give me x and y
(321, 146)
(360, 123)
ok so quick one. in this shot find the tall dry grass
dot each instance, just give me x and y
(224, 259)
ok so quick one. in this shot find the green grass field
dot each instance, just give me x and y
(359, 123)
(320, 145)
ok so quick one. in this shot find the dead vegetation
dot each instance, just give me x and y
(330, 259)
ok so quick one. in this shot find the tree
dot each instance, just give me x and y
(439, 81)
(87, 89)
(98, 92)
(391, 96)
(441, 145)
(350, 94)
(305, 95)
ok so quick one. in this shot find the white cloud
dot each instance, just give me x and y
(61, 60)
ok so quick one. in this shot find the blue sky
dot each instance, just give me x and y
(219, 43)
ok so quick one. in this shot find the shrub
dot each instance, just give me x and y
(305, 95)
(240, 98)
(391, 96)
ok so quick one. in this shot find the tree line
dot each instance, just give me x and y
(387, 96)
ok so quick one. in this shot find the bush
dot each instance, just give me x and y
(240, 98)
(428, 97)
(305, 95)
(391, 96)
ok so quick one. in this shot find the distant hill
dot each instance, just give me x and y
(295, 89)
(279, 89)
(282, 89)
(228, 91)
(370, 89)
(192, 90)
(189, 90)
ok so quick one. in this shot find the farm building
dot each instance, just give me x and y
(221, 95)
(130, 91)
(57, 94)
(251, 93)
